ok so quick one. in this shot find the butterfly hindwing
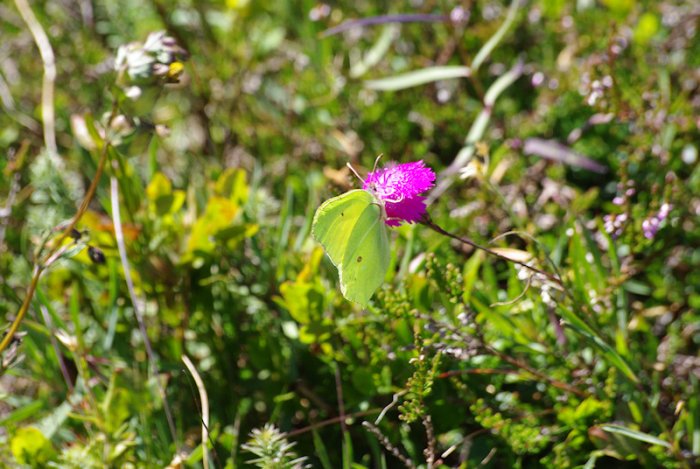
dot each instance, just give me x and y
(367, 257)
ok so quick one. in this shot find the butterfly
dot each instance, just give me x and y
(352, 231)
(353, 227)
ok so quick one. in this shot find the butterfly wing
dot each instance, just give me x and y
(352, 232)
(335, 220)
(367, 257)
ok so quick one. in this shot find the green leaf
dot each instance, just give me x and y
(377, 52)
(30, 446)
(610, 354)
(363, 380)
(637, 435)
(304, 297)
(418, 77)
(321, 451)
(347, 451)
(22, 413)
(50, 424)
(304, 301)
(162, 200)
(494, 40)
(219, 213)
(232, 184)
(471, 269)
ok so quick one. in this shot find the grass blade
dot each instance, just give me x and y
(637, 435)
(418, 77)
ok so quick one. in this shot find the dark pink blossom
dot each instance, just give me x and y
(399, 187)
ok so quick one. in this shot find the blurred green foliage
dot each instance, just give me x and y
(223, 152)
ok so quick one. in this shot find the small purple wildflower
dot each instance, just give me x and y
(614, 224)
(652, 224)
(399, 187)
(459, 15)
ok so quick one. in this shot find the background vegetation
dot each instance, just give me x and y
(571, 145)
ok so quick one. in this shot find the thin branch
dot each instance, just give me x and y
(47, 88)
(429, 451)
(525, 367)
(56, 348)
(430, 224)
(493, 41)
(119, 234)
(512, 361)
(394, 401)
(204, 399)
(331, 421)
(517, 298)
(56, 247)
(488, 457)
(535, 241)
(477, 371)
(385, 19)
(476, 132)
(10, 333)
(341, 402)
(388, 445)
(6, 211)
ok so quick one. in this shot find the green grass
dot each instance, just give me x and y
(462, 359)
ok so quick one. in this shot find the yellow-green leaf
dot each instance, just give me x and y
(30, 446)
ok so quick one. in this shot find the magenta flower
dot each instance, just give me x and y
(399, 186)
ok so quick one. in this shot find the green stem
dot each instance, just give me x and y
(493, 41)
(56, 246)
(430, 224)
(476, 132)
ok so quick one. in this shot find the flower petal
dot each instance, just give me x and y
(410, 210)
(400, 181)
(399, 186)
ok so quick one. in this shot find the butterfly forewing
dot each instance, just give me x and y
(335, 220)
(352, 232)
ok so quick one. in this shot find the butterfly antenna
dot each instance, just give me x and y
(376, 162)
(354, 172)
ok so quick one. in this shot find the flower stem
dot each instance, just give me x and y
(150, 354)
(56, 246)
(430, 224)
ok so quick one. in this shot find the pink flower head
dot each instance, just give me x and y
(399, 187)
